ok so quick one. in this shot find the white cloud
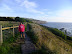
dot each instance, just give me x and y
(29, 4)
(59, 19)
(57, 16)
(31, 7)
(65, 13)
(34, 11)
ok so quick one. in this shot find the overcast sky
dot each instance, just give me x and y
(47, 10)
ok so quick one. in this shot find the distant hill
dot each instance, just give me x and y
(37, 21)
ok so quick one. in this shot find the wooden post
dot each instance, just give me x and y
(13, 30)
(1, 38)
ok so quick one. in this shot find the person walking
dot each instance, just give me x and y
(21, 29)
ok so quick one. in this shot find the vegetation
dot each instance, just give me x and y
(60, 34)
(16, 19)
(22, 20)
(6, 19)
(31, 35)
(47, 42)
(57, 32)
(9, 45)
(35, 39)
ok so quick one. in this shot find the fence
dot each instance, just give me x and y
(1, 36)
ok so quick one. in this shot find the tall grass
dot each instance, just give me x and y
(51, 43)
(35, 39)
(9, 45)
(32, 35)
(58, 33)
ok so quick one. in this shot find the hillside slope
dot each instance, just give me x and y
(50, 41)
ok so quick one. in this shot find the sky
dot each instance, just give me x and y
(46, 10)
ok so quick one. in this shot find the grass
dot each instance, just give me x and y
(35, 39)
(60, 35)
(7, 23)
(53, 44)
(9, 45)
(31, 35)
(43, 50)
(25, 26)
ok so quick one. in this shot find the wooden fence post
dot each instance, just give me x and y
(1, 38)
(13, 30)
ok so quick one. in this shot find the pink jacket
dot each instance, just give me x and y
(21, 28)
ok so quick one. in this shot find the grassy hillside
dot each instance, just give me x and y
(10, 44)
(47, 42)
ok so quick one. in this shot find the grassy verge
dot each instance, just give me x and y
(9, 45)
(25, 26)
(42, 48)
(60, 35)
(49, 41)
(31, 35)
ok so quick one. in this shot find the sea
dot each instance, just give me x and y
(59, 25)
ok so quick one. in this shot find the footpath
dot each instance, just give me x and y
(28, 46)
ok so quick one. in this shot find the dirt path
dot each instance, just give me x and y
(28, 46)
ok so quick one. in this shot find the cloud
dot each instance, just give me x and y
(59, 16)
(65, 13)
(7, 8)
(31, 7)
(18, 1)
(34, 11)
(29, 4)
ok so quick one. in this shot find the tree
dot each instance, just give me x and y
(17, 19)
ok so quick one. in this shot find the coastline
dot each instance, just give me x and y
(64, 31)
(64, 28)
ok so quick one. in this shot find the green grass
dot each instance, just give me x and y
(35, 40)
(7, 23)
(49, 42)
(43, 50)
(25, 26)
(58, 33)
(9, 45)
(31, 34)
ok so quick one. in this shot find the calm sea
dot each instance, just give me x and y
(67, 26)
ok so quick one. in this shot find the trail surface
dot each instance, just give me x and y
(28, 46)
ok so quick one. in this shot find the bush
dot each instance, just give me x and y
(69, 38)
(58, 33)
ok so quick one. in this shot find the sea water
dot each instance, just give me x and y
(59, 25)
